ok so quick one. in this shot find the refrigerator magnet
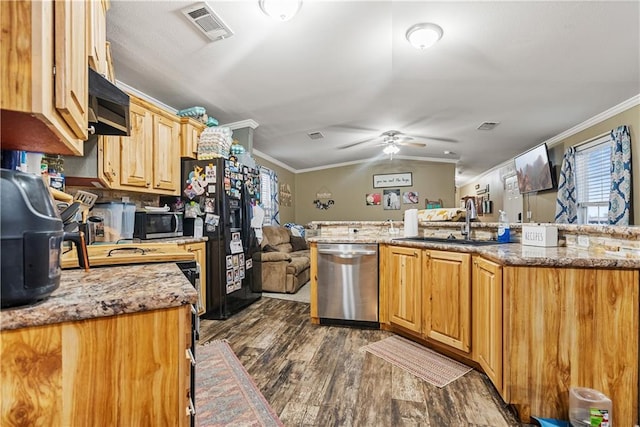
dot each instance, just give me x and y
(209, 204)
(248, 264)
(241, 259)
(229, 276)
(235, 261)
(210, 173)
(229, 261)
(241, 272)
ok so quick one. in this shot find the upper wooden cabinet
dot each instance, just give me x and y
(486, 295)
(43, 79)
(404, 288)
(149, 159)
(447, 298)
(190, 130)
(97, 35)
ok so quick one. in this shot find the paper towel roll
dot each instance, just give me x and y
(411, 223)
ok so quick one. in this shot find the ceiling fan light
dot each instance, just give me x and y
(423, 36)
(282, 10)
(391, 149)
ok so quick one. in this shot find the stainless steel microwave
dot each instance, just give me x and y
(157, 225)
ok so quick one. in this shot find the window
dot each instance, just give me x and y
(268, 196)
(593, 180)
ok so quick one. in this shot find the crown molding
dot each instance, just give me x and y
(144, 96)
(553, 141)
(623, 106)
(241, 124)
(274, 161)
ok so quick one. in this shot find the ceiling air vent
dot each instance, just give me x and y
(205, 19)
(488, 125)
(316, 135)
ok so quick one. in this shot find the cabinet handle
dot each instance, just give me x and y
(148, 184)
(189, 356)
(91, 130)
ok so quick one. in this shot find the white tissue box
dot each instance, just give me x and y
(539, 235)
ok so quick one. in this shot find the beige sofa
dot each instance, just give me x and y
(283, 263)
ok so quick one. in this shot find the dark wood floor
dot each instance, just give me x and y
(317, 376)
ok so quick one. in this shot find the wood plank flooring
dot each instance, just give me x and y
(317, 376)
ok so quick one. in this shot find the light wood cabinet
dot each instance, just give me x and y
(571, 327)
(165, 151)
(97, 35)
(486, 296)
(404, 271)
(190, 130)
(447, 298)
(135, 150)
(200, 252)
(130, 369)
(43, 79)
(148, 160)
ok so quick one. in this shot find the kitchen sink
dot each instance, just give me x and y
(449, 241)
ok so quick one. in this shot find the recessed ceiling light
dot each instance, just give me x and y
(425, 35)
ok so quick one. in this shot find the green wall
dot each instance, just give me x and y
(350, 184)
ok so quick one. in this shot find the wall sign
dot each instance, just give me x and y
(404, 179)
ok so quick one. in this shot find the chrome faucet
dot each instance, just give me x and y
(471, 213)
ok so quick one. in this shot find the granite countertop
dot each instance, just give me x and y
(508, 254)
(105, 291)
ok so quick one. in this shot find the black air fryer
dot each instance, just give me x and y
(32, 237)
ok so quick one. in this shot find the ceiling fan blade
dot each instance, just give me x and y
(357, 143)
(412, 144)
(355, 128)
(434, 138)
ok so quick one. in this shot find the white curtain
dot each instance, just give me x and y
(566, 206)
(620, 195)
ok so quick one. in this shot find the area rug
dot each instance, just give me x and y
(422, 362)
(225, 393)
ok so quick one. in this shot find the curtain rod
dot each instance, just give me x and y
(591, 139)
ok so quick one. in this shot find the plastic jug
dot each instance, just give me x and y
(504, 233)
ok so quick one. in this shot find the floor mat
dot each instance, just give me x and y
(225, 393)
(422, 362)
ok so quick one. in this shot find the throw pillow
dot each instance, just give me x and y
(269, 248)
(298, 243)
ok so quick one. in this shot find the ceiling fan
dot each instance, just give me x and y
(391, 139)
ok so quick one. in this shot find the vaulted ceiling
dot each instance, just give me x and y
(345, 69)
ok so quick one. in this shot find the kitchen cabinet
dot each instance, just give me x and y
(190, 130)
(571, 327)
(148, 160)
(447, 298)
(486, 296)
(131, 369)
(404, 287)
(97, 35)
(44, 78)
(200, 252)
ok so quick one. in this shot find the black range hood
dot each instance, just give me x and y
(108, 107)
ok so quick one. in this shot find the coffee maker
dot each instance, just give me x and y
(31, 239)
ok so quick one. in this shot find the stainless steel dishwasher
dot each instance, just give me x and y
(348, 284)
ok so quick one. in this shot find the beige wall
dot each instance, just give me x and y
(350, 184)
(543, 205)
(287, 213)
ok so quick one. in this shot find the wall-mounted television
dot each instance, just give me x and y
(533, 170)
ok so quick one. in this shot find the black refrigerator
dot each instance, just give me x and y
(224, 193)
